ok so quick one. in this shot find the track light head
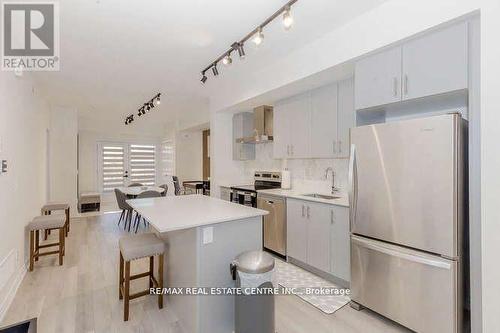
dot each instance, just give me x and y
(258, 37)
(158, 101)
(215, 71)
(203, 77)
(239, 47)
(287, 19)
(227, 60)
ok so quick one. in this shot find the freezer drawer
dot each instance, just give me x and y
(416, 289)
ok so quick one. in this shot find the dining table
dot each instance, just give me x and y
(134, 191)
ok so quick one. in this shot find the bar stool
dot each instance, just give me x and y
(52, 206)
(44, 223)
(138, 247)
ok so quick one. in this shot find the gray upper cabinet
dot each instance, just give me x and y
(346, 117)
(435, 63)
(315, 124)
(243, 127)
(291, 127)
(378, 79)
(324, 122)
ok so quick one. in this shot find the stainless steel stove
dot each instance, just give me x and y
(247, 194)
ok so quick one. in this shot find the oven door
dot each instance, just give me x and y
(246, 198)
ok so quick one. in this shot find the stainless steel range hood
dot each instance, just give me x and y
(263, 126)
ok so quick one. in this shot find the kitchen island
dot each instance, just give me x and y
(202, 236)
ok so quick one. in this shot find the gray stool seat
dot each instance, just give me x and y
(141, 246)
(47, 222)
(49, 206)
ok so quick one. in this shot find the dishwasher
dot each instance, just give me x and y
(274, 226)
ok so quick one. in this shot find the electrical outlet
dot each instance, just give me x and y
(4, 166)
(208, 235)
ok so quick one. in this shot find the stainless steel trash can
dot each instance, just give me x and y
(254, 307)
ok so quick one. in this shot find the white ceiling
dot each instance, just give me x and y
(116, 54)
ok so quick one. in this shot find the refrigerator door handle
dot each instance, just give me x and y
(353, 186)
(446, 264)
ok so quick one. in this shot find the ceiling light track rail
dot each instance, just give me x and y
(149, 105)
(238, 46)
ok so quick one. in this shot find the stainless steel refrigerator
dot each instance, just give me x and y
(407, 210)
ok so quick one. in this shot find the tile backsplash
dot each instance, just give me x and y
(307, 174)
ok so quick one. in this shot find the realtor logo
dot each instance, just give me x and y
(30, 39)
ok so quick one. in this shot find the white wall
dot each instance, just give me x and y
(389, 23)
(24, 119)
(63, 155)
(189, 155)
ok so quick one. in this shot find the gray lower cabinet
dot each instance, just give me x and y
(340, 245)
(318, 235)
(296, 241)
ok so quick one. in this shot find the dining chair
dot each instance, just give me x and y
(135, 185)
(121, 199)
(145, 194)
(177, 186)
(165, 187)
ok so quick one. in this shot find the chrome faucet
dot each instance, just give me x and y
(334, 189)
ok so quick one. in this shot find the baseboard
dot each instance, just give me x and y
(327, 276)
(4, 306)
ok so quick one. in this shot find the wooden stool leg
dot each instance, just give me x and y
(61, 244)
(120, 286)
(64, 243)
(32, 245)
(126, 291)
(37, 242)
(151, 270)
(45, 234)
(67, 221)
(160, 281)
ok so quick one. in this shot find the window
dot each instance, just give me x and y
(142, 164)
(112, 166)
(121, 164)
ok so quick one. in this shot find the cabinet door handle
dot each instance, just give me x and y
(287, 150)
(406, 84)
(308, 215)
(303, 212)
(334, 147)
(331, 216)
(291, 149)
(340, 146)
(395, 86)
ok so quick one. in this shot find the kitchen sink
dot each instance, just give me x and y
(322, 196)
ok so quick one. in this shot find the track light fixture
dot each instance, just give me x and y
(203, 77)
(239, 47)
(287, 19)
(257, 37)
(215, 70)
(227, 60)
(144, 108)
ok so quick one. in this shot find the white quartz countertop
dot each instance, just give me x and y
(342, 201)
(188, 211)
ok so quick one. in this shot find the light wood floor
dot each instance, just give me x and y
(82, 295)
